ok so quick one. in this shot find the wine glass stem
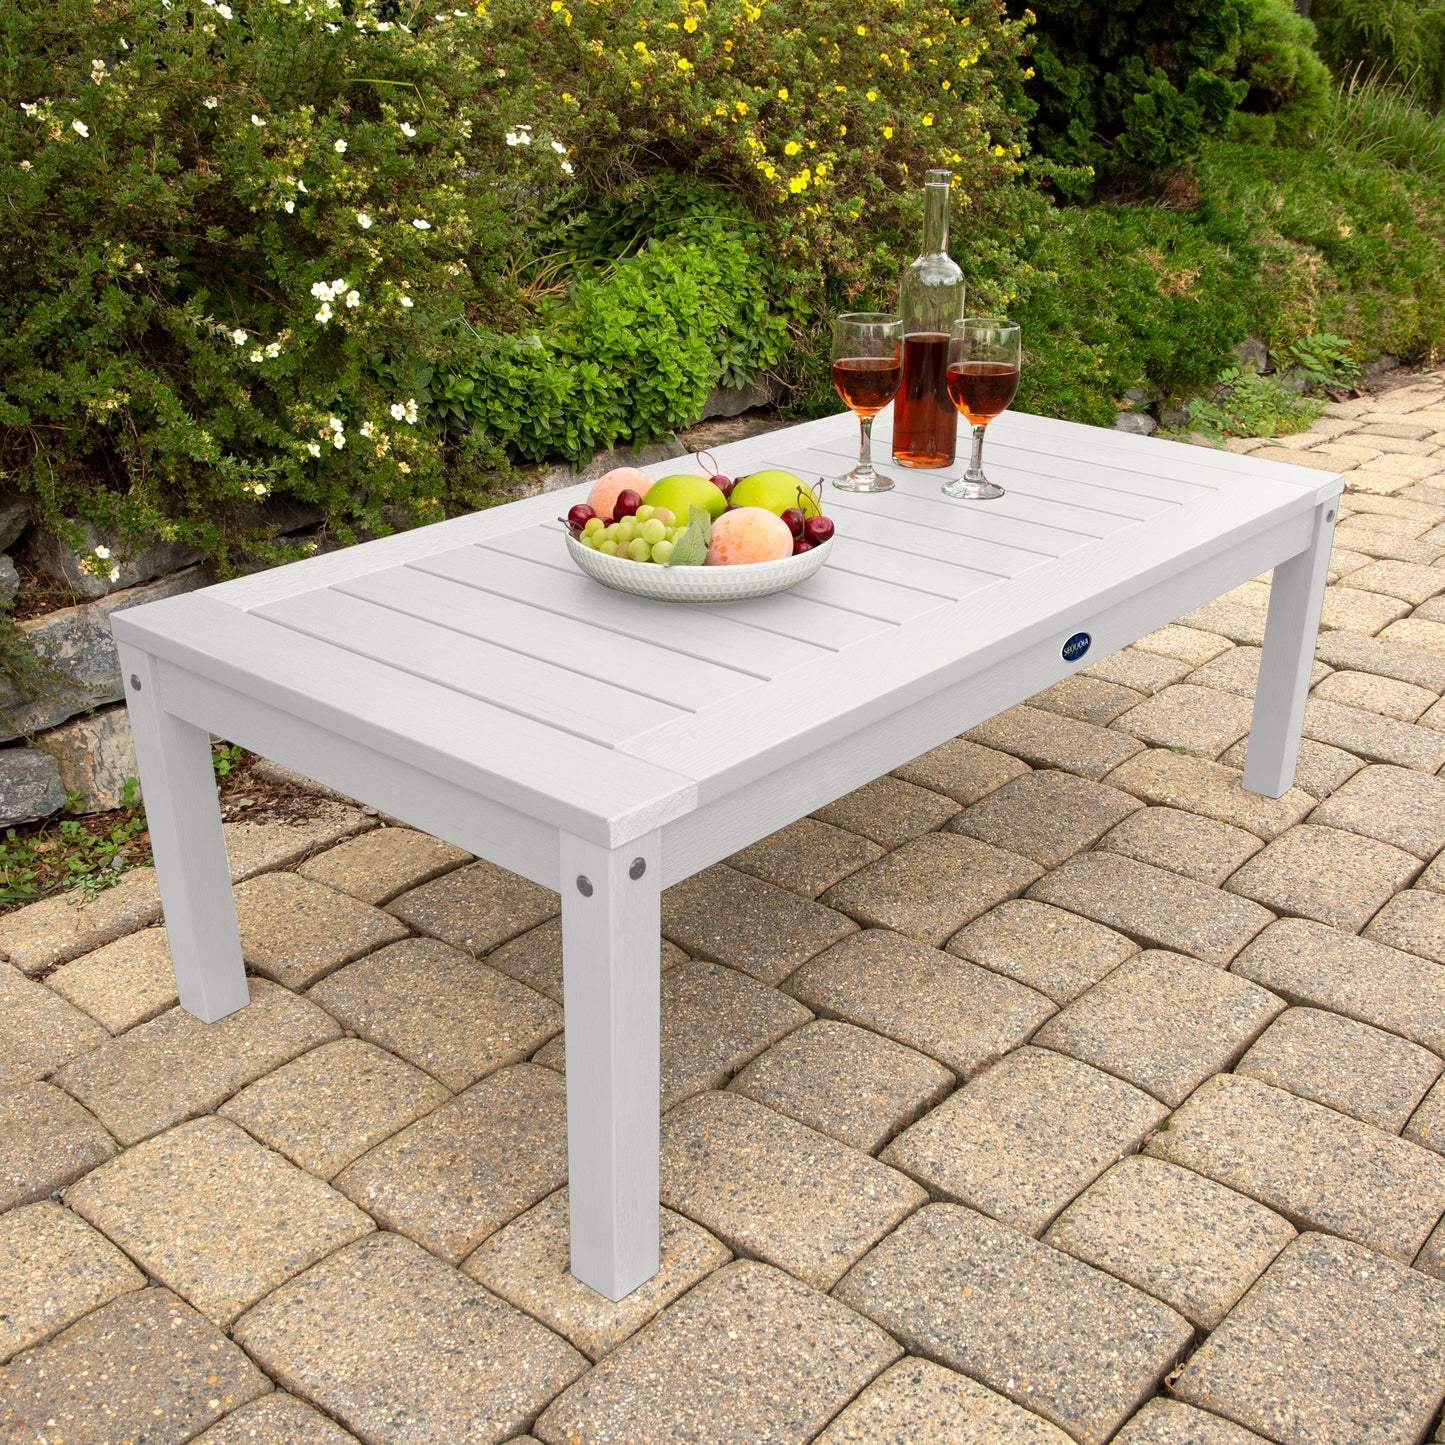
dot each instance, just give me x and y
(975, 461)
(865, 447)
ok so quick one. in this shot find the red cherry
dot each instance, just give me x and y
(818, 530)
(579, 516)
(732, 507)
(626, 504)
(793, 518)
(724, 484)
(800, 546)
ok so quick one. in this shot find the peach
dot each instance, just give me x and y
(603, 496)
(749, 534)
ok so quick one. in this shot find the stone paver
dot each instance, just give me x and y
(1427, 1123)
(122, 984)
(526, 1263)
(1171, 1422)
(1089, 699)
(1333, 1344)
(39, 1031)
(466, 1169)
(1415, 632)
(1325, 874)
(774, 1189)
(1183, 1239)
(535, 958)
(55, 930)
(1199, 720)
(1413, 920)
(750, 1354)
(330, 1106)
(1046, 740)
(1199, 848)
(806, 857)
(1307, 963)
(1196, 785)
(276, 1419)
(145, 1368)
(46, 1140)
(964, 1016)
(1144, 672)
(475, 907)
(1387, 696)
(890, 811)
(1188, 644)
(1359, 1070)
(440, 1009)
(1319, 1168)
(766, 932)
(1155, 907)
(714, 1020)
(1393, 805)
(1024, 1139)
(1055, 1336)
(215, 1216)
(1388, 659)
(401, 1348)
(1046, 815)
(256, 844)
(176, 1067)
(1349, 610)
(929, 888)
(845, 1082)
(1237, 671)
(382, 863)
(54, 1268)
(1243, 626)
(1374, 738)
(1319, 769)
(295, 931)
(1162, 1022)
(916, 1396)
(1049, 949)
(962, 771)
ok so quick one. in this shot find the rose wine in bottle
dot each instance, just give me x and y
(930, 300)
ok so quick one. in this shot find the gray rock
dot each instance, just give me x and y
(1295, 379)
(58, 560)
(1252, 355)
(1387, 361)
(1140, 423)
(735, 400)
(622, 456)
(15, 516)
(1136, 396)
(96, 757)
(30, 786)
(76, 642)
(1174, 417)
(9, 578)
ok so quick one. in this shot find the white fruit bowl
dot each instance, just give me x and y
(698, 584)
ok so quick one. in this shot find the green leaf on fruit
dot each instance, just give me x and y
(702, 518)
(690, 547)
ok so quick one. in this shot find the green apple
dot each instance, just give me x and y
(683, 491)
(776, 490)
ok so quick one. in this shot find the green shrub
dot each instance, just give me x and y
(1370, 117)
(1404, 39)
(1245, 404)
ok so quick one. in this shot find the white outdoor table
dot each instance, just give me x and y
(466, 678)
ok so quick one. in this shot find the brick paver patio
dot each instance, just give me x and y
(1051, 1088)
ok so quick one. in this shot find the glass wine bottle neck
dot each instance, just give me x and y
(937, 191)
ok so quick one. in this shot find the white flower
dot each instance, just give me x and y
(407, 130)
(411, 411)
(239, 337)
(102, 553)
(113, 575)
(301, 186)
(567, 167)
(211, 102)
(256, 119)
(363, 220)
(337, 287)
(258, 355)
(290, 207)
(335, 423)
(260, 489)
(383, 26)
(97, 71)
(313, 449)
(518, 138)
(28, 109)
(320, 290)
(324, 314)
(422, 225)
(407, 302)
(80, 127)
(339, 147)
(224, 11)
(26, 166)
(398, 411)
(559, 148)
(353, 299)
(338, 441)
(367, 429)
(273, 350)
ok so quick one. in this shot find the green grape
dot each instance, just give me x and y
(627, 530)
(661, 551)
(653, 532)
(644, 513)
(594, 524)
(638, 550)
(609, 547)
(611, 531)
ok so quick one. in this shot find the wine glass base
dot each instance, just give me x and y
(968, 491)
(874, 482)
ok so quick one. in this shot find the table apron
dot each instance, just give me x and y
(721, 826)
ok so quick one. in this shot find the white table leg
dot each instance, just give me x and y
(179, 786)
(1295, 597)
(611, 905)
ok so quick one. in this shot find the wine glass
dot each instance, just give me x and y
(867, 363)
(983, 377)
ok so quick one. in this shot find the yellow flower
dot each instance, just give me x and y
(928, 120)
(947, 86)
(640, 46)
(782, 92)
(998, 150)
(887, 132)
(690, 24)
(862, 30)
(964, 21)
(741, 106)
(872, 95)
(1029, 73)
(792, 148)
(672, 24)
(770, 172)
(797, 184)
(842, 130)
(683, 63)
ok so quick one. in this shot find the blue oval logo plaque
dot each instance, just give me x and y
(1076, 646)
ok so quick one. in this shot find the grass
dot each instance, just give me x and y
(1378, 120)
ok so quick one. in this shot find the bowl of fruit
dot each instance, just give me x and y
(694, 538)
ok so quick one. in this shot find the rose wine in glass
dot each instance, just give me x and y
(983, 378)
(867, 363)
(930, 300)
